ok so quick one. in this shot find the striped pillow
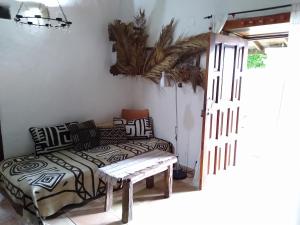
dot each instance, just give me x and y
(51, 139)
(137, 129)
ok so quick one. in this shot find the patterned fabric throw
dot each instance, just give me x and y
(51, 139)
(137, 129)
(84, 135)
(44, 184)
(114, 135)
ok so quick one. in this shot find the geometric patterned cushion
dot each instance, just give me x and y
(51, 139)
(84, 135)
(137, 129)
(113, 135)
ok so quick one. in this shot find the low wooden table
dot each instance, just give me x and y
(135, 169)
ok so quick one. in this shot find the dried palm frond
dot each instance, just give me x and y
(158, 53)
(167, 64)
(194, 75)
(133, 57)
(176, 54)
(130, 45)
(140, 20)
(190, 45)
(166, 36)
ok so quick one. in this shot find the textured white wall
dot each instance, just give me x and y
(53, 76)
(161, 103)
(189, 15)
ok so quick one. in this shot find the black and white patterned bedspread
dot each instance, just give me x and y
(45, 184)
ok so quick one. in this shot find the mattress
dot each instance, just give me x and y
(45, 184)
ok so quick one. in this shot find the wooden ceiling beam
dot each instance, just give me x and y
(257, 21)
(286, 41)
(259, 46)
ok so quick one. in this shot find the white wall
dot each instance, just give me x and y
(189, 15)
(49, 77)
(161, 103)
(52, 76)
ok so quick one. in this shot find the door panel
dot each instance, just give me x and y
(225, 68)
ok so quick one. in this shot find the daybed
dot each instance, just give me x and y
(44, 184)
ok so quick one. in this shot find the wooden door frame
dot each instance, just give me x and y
(202, 158)
(273, 19)
(257, 21)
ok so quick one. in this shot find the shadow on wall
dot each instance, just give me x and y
(188, 126)
(188, 119)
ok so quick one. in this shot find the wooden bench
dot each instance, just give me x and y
(135, 169)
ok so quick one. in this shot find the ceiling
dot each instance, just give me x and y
(264, 36)
(262, 44)
(262, 32)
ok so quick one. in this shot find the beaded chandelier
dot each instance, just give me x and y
(38, 14)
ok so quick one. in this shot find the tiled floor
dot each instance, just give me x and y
(258, 192)
(145, 201)
(7, 213)
(93, 213)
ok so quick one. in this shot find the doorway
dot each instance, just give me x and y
(262, 168)
(264, 82)
(262, 98)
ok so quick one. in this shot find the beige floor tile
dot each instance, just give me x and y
(92, 218)
(11, 221)
(8, 216)
(243, 197)
(61, 220)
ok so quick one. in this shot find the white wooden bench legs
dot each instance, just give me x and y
(127, 201)
(109, 196)
(127, 194)
(133, 170)
(168, 181)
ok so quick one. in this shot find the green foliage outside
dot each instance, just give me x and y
(256, 60)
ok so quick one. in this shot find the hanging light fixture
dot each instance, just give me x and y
(36, 13)
(4, 12)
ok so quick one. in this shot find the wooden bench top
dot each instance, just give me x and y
(138, 167)
(132, 170)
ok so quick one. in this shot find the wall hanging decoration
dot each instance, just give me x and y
(38, 14)
(180, 58)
